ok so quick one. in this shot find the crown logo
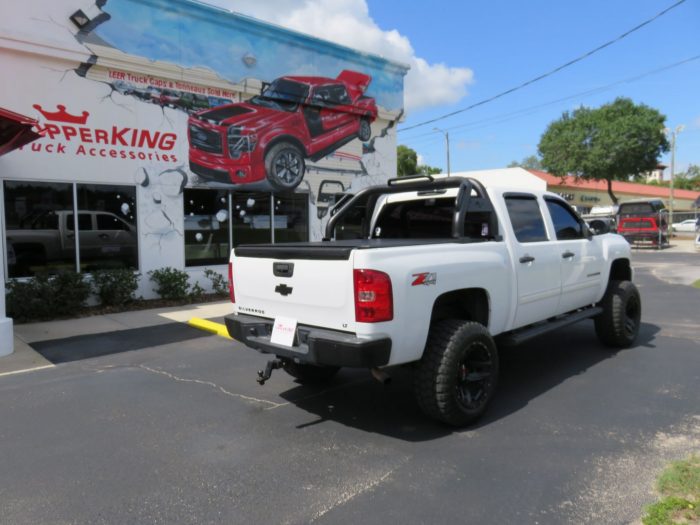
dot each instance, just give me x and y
(62, 115)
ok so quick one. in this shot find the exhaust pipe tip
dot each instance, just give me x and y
(381, 376)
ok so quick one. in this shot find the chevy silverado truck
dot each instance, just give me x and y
(442, 272)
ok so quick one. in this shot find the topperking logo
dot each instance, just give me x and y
(68, 134)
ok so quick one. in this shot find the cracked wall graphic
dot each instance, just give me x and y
(169, 97)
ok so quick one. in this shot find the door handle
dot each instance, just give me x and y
(568, 255)
(526, 259)
(104, 236)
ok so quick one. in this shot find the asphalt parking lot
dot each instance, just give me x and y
(182, 433)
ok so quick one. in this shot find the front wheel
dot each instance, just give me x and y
(618, 325)
(456, 378)
(284, 166)
(309, 374)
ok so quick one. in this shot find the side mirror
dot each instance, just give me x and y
(599, 227)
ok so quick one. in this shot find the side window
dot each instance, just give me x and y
(566, 224)
(322, 95)
(526, 218)
(340, 95)
(84, 221)
(110, 222)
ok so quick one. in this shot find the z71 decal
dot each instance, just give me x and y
(425, 278)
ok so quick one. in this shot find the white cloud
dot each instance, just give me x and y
(347, 22)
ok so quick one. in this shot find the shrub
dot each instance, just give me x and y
(71, 291)
(115, 287)
(29, 300)
(218, 282)
(170, 282)
(46, 297)
(197, 292)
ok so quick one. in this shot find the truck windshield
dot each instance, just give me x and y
(282, 94)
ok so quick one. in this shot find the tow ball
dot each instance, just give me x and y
(264, 375)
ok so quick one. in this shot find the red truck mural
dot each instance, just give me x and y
(269, 137)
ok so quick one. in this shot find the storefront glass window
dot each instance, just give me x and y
(206, 227)
(291, 217)
(251, 218)
(38, 239)
(107, 227)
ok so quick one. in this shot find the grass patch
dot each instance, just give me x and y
(679, 486)
(696, 284)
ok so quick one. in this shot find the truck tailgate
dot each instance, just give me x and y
(317, 292)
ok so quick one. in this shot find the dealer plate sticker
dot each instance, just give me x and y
(283, 331)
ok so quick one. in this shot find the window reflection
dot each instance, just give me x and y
(107, 227)
(39, 228)
(251, 218)
(291, 217)
(206, 227)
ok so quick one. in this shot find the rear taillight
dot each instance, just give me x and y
(374, 301)
(230, 283)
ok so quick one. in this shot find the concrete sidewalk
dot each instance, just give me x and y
(25, 358)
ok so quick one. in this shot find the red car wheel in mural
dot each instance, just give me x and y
(269, 137)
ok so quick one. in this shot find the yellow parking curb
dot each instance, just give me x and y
(209, 326)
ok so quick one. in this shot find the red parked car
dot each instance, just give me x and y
(269, 137)
(644, 221)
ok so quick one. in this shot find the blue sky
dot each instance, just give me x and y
(182, 33)
(507, 42)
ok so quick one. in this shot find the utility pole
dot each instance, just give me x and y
(673, 133)
(447, 146)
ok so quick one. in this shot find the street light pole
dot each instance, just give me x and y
(447, 146)
(673, 134)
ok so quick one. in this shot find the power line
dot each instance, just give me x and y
(525, 111)
(549, 73)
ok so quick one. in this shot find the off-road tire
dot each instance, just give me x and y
(459, 354)
(309, 374)
(284, 166)
(365, 131)
(618, 325)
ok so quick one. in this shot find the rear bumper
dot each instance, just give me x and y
(314, 346)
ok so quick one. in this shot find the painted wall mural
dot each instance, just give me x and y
(169, 95)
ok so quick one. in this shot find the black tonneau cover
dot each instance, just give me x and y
(331, 251)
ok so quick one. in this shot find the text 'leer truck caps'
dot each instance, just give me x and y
(439, 269)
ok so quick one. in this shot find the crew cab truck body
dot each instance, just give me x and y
(443, 268)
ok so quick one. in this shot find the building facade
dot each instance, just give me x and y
(588, 194)
(174, 130)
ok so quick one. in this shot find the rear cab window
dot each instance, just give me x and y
(431, 218)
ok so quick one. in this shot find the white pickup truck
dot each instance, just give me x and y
(441, 271)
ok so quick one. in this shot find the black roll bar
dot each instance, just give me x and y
(419, 183)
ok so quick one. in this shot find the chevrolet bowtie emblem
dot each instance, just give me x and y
(283, 289)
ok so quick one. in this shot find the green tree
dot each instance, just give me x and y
(407, 161)
(531, 162)
(424, 169)
(688, 180)
(609, 143)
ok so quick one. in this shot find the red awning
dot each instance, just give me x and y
(16, 130)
